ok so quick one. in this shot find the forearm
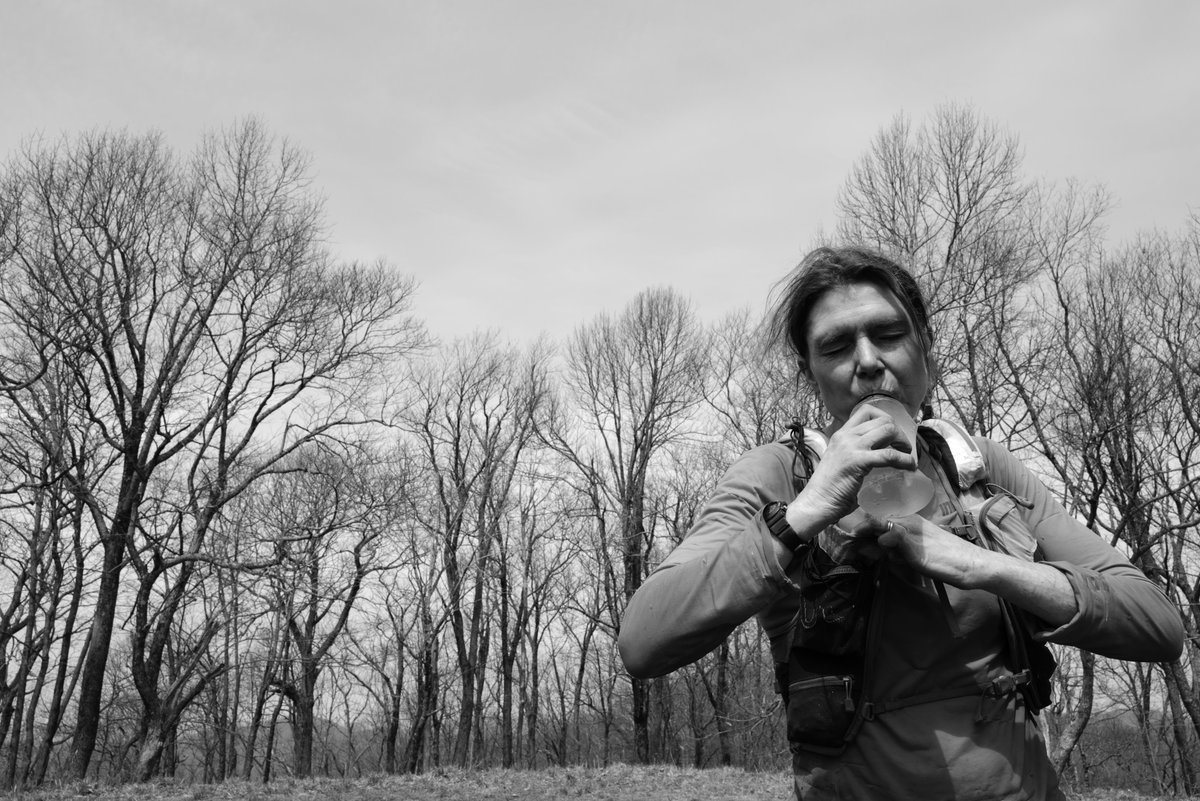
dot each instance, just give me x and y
(1121, 613)
(689, 605)
(1116, 612)
(728, 569)
(1039, 589)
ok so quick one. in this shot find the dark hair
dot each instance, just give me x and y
(829, 268)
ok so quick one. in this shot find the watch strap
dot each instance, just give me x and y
(775, 516)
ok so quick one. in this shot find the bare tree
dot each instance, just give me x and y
(1156, 472)
(473, 415)
(531, 556)
(1123, 447)
(751, 393)
(332, 513)
(382, 651)
(949, 199)
(635, 380)
(189, 304)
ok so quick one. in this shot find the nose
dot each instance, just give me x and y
(866, 357)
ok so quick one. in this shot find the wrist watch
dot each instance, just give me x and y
(775, 516)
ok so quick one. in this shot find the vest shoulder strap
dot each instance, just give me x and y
(812, 440)
(970, 468)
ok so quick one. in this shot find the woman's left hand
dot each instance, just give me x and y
(928, 548)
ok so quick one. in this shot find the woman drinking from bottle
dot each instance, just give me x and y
(909, 646)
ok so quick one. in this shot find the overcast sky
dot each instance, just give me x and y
(533, 164)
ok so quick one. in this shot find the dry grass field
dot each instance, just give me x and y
(616, 783)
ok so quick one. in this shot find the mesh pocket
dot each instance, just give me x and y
(835, 602)
(820, 711)
(822, 695)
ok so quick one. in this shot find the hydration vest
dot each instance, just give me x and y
(830, 645)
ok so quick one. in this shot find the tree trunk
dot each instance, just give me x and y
(269, 756)
(1083, 711)
(392, 732)
(477, 752)
(577, 694)
(392, 712)
(95, 658)
(530, 689)
(1191, 704)
(506, 711)
(215, 758)
(303, 727)
(25, 765)
(721, 705)
(58, 699)
(466, 715)
(641, 719)
(508, 657)
(260, 705)
(1182, 736)
(150, 751)
(427, 696)
(230, 693)
(13, 708)
(634, 533)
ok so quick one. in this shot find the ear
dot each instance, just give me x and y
(802, 366)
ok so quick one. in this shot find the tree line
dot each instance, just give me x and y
(253, 519)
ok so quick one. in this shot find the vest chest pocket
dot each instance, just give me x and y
(1001, 522)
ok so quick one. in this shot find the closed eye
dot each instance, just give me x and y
(833, 347)
(892, 333)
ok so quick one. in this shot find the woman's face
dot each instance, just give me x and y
(861, 341)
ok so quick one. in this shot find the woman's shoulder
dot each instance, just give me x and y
(988, 446)
(1019, 474)
(997, 456)
(780, 451)
(764, 464)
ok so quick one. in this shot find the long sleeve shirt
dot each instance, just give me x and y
(726, 570)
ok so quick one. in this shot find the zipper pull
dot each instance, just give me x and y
(848, 683)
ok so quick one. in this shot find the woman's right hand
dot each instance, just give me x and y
(865, 441)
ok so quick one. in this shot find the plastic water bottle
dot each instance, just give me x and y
(889, 491)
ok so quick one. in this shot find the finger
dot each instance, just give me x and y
(892, 457)
(894, 533)
(866, 411)
(869, 527)
(875, 450)
(878, 433)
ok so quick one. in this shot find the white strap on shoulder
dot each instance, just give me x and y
(967, 456)
(816, 441)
